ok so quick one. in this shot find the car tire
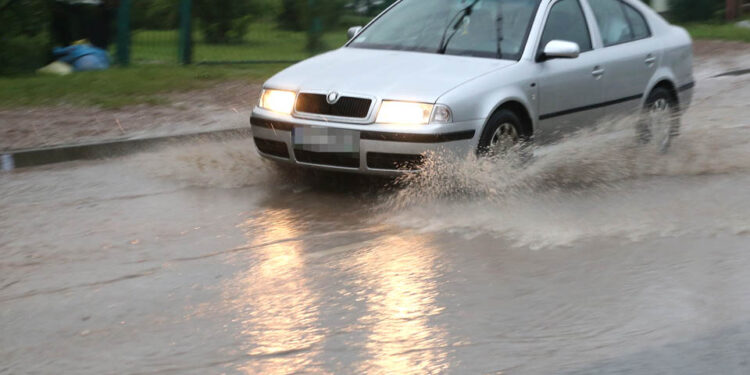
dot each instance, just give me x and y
(502, 136)
(660, 119)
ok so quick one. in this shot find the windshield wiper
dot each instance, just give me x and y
(461, 15)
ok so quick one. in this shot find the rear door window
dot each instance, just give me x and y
(613, 24)
(637, 22)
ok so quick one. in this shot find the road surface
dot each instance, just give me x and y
(599, 258)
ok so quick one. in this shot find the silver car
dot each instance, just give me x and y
(475, 76)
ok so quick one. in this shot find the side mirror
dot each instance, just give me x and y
(560, 49)
(353, 31)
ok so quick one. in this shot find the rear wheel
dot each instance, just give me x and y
(660, 120)
(502, 135)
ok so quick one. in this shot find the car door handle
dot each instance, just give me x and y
(650, 60)
(598, 72)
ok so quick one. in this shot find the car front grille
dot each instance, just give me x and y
(346, 106)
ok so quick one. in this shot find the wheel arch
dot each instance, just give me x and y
(517, 107)
(670, 86)
(666, 79)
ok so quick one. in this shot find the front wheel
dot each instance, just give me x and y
(502, 135)
(660, 120)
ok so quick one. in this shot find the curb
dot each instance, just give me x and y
(734, 73)
(14, 159)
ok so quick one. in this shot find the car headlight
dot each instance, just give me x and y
(280, 101)
(394, 112)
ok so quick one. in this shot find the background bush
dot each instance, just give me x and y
(361, 12)
(155, 14)
(24, 36)
(297, 15)
(369, 8)
(227, 21)
(696, 10)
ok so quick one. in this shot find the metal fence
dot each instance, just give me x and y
(235, 31)
(247, 31)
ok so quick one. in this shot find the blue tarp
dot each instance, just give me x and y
(83, 57)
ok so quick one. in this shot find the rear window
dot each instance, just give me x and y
(637, 22)
(619, 22)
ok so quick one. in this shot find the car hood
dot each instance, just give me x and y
(395, 75)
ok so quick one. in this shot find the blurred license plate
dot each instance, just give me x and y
(325, 139)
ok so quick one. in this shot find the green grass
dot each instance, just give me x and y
(718, 31)
(118, 87)
(264, 42)
(155, 70)
(153, 47)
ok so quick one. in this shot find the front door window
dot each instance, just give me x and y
(567, 22)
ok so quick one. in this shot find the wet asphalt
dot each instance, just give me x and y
(600, 257)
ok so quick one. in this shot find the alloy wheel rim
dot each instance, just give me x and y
(503, 139)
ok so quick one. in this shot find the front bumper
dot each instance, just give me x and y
(383, 149)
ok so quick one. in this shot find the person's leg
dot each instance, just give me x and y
(103, 26)
(62, 19)
(85, 18)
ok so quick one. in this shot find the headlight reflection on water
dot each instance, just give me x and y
(374, 301)
(401, 278)
(278, 310)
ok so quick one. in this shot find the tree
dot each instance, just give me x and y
(733, 9)
(298, 15)
(24, 35)
(155, 14)
(695, 10)
(369, 7)
(227, 21)
(291, 15)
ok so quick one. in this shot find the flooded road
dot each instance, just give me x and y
(600, 257)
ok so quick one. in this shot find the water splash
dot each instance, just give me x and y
(592, 184)
(603, 157)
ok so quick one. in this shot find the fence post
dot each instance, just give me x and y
(314, 37)
(185, 49)
(123, 33)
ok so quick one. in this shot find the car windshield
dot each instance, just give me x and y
(428, 25)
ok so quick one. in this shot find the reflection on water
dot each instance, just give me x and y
(401, 275)
(279, 311)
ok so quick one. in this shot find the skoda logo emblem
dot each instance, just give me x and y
(332, 97)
